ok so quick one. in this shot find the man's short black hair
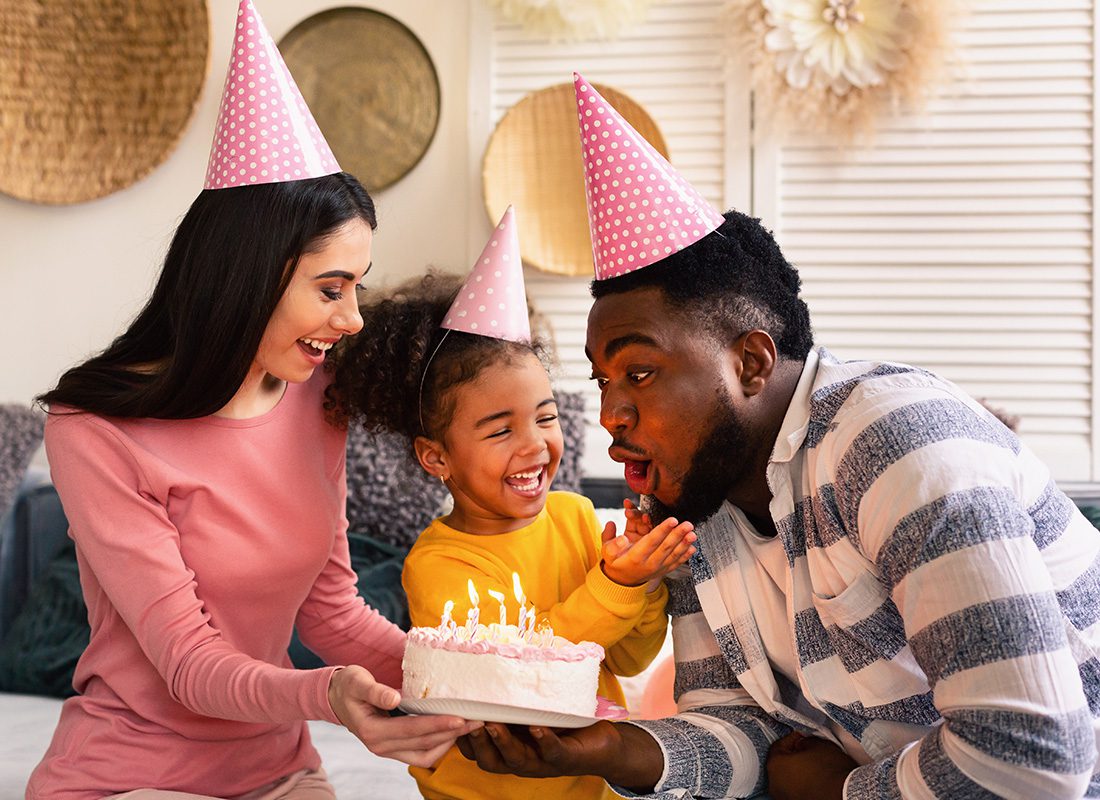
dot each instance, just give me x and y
(733, 280)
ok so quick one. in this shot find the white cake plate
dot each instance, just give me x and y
(514, 715)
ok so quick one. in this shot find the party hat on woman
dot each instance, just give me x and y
(265, 131)
(493, 301)
(640, 209)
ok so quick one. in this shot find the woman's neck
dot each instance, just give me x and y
(258, 394)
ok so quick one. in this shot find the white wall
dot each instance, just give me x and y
(72, 276)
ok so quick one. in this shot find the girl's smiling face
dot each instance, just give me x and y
(501, 449)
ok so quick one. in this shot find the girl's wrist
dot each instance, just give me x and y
(619, 579)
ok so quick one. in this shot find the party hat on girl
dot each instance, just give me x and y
(493, 301)
(265, 131)
(640, 209)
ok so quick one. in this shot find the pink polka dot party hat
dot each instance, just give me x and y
(265, 131)
(493, 301)
(640, 209)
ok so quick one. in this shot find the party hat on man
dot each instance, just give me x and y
(265, 131)
(493, 301)
(640, 209)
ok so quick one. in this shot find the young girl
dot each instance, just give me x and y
(480, 415)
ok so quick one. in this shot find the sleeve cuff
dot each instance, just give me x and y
(324, 708)
(676, 750)
(624, 600)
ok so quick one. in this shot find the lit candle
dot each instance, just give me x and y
(474, 612)
(499, 597)
(445, 621)
(521, 598)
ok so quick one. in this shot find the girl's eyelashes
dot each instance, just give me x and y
(498, 434)
(333, 294)
(546, 420)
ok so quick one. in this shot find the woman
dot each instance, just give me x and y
(205, 494)
(205, 490)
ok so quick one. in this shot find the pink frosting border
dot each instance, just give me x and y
(562, 651)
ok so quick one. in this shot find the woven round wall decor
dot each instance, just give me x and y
(533, 161)
(372, 87)
(95, 94)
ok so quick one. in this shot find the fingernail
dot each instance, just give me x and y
(536, 732)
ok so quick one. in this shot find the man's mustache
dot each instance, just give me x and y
(622, 444)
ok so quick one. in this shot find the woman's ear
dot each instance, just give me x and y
(432, 457)
(758, 358)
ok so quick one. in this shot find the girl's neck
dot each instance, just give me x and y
(482, 524)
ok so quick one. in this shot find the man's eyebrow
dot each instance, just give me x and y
(617, 345)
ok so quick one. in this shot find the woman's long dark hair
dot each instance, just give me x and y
(230, 260)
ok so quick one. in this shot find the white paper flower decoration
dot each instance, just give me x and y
(835, 65)
(573, 19)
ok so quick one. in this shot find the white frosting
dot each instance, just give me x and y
(497, 666)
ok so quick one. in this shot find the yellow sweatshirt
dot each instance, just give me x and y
(558, 560)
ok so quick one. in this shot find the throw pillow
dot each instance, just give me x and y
(39, 653)
(20, 434)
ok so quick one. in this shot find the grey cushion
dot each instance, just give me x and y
(20, 434)
(33, 533)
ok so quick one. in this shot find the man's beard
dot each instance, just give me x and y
(720, 462)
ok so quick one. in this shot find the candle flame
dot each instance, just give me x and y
(517, 589)
(498, 596)
(474, 599)
(448, 607)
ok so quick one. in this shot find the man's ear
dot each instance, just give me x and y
(758, 359)
(432, 457)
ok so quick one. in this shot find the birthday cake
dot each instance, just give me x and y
(511, 665)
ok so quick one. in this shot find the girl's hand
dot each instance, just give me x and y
(645, 553)
(362, 705)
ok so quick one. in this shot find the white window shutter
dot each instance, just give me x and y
(672, 64)
(962, 239)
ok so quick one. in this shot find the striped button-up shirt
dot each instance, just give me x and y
(941, 597)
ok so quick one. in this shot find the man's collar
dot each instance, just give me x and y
(797, 419)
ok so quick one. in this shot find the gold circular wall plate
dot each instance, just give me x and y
(372, 87)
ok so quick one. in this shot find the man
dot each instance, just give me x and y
(890, 597)
(886, 570)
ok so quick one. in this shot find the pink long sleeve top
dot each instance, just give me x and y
(201, 544)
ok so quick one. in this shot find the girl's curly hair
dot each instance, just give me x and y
(378, 373)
